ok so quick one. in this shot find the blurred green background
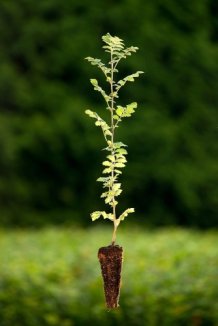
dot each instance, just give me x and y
(51, 152)
(51, 156)
(51, 277)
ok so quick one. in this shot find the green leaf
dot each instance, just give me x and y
(118, 171)
(104, 194)
(119, 111)
(109, 182)
(116, 186)
(113, 42)
(94, 61)
(94, 82)
(119, 145)
(133, 76)
(107, 170)
(95, 215)
(90, 113)
(121, 159)
(100, 122)
(121, 151)
(111, 158)
(130, 109)
(129, 78)
(108, 133)
(118, 192)
(119, 165)
(108, 199)
(126, 213)
(121, 82)
(102, 179)
(106, 163)
(109, 216)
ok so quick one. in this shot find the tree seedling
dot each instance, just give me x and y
(111, 257)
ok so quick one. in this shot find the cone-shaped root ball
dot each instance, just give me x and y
(110, 259)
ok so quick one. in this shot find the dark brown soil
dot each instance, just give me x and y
(111, 258)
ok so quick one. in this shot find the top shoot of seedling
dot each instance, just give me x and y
(116, 150)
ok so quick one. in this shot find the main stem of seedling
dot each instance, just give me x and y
(112, 144)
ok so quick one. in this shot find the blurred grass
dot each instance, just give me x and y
(52, 277)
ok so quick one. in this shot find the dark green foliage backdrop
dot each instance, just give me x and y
(50, 152)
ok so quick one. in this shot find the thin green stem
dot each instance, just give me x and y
(112, 143)
(114, 234)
